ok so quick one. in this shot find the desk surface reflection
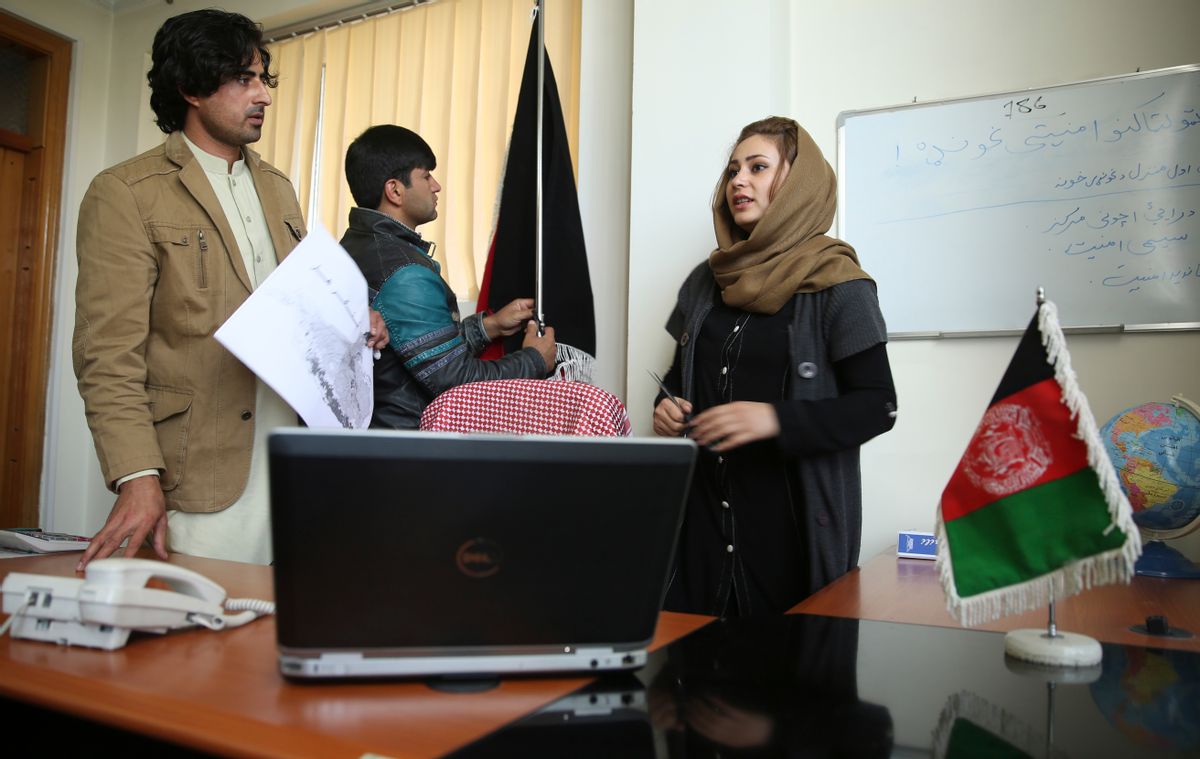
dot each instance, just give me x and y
(804, 685)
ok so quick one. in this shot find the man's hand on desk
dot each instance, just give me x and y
(140, 512)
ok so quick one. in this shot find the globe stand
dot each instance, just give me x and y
(1051, 647)
(1160, 560)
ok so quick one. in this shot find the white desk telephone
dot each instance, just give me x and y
(101, 610)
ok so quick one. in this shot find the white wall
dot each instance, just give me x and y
(701, 70)
(933, 49)
(605, 80)
(861, 54)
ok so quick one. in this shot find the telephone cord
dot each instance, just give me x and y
(8, 622)
(250, 608)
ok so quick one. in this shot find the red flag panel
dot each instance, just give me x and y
(1024, 440)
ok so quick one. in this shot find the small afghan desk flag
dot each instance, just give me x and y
(1034, 510)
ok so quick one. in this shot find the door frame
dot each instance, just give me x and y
(44, 147)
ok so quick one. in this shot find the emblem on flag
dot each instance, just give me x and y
(1009, 451)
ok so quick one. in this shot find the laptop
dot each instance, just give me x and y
(425, 554)
(610, 716)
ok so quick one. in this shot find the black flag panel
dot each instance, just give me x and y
(511, 270)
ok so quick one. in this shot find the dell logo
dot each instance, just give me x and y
(479, 557)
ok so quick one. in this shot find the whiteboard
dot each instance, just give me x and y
(961, 209)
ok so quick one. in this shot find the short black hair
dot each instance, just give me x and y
(381, 153)
(194, 54)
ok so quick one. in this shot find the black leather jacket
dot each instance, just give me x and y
(430, 349)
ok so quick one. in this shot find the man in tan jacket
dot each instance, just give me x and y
(170, 243)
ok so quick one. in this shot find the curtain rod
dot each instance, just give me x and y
(346, 15)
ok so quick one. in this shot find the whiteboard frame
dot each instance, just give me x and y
(925, 335)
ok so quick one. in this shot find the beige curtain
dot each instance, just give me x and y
(449, 70)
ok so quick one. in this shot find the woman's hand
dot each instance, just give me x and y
(732, 425)
(669, 419)
(727, 725)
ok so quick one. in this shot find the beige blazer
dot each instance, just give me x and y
(159, 272)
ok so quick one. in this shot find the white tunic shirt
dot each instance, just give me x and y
(241, 532)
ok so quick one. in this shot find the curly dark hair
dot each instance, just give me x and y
(194, 54)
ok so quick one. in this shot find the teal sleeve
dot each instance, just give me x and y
(413, 304)
(430, 343)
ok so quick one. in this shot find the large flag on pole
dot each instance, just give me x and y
(1034, 510)
(510, 271)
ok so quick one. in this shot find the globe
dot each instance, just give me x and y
(1155, 448)
(1147, 695)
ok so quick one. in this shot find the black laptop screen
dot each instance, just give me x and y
(387, 540)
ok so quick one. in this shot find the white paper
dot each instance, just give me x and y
(303, 332)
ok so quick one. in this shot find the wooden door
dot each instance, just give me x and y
(12, 173)
(33, 109)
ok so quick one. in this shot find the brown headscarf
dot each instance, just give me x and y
(788, 251)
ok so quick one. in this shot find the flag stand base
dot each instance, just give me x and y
(1050, 674)
(1062, 649)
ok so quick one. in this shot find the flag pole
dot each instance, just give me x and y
(570, 362)
(1049, 718)
(540, 15)
(1051, 626)
(1052, 647)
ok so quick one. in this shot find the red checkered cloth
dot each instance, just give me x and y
(528, 407)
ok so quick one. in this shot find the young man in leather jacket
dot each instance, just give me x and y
(389, 170)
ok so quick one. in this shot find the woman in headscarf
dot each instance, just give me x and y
(781, 373)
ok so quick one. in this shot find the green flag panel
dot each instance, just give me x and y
(1030, 534)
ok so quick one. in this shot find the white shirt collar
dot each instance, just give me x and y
(213, 164)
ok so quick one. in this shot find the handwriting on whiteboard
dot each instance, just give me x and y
(1024, 137)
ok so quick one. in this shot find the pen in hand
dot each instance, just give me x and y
(671, 396)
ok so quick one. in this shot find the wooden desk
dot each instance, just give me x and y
(891, 589)
(222, 692)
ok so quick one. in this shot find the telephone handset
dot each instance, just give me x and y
(114, 600)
